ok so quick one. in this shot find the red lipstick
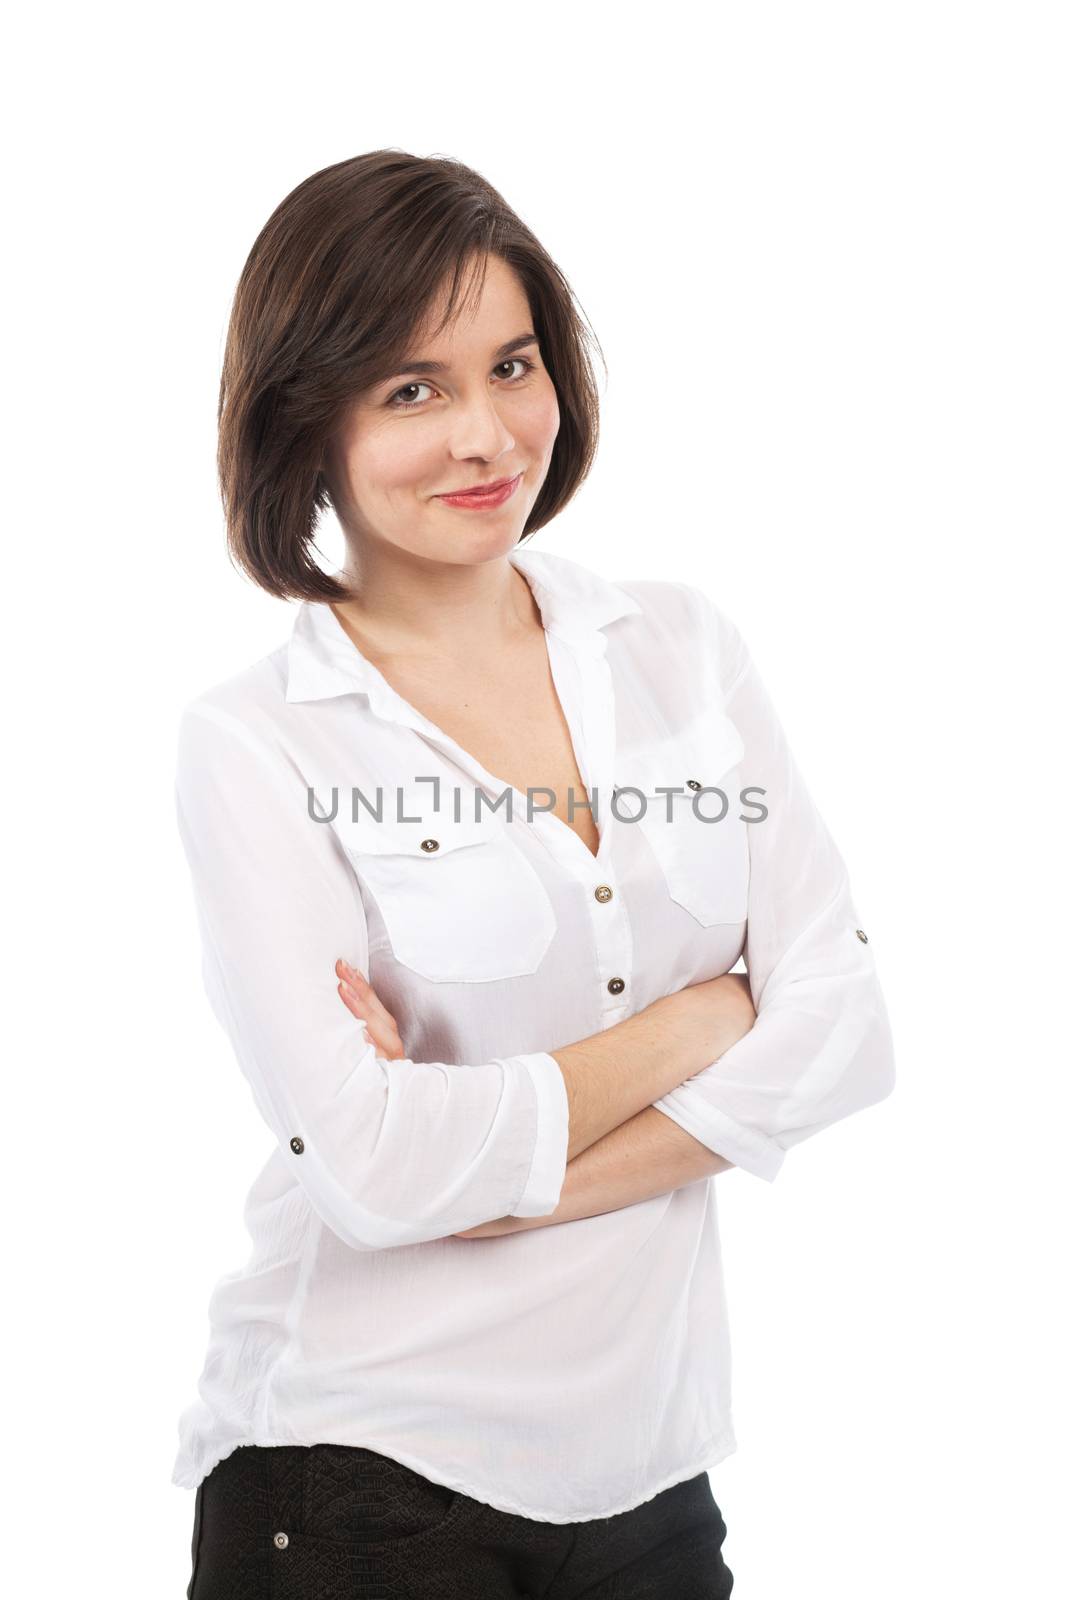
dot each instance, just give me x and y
(484, 498)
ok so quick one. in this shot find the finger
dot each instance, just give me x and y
(387, 1036)
(361, 985)
(355, 1004)
(350, 974)
(369, 1009)
(353, 1001)
(353, 986)
(367, 993)
(381, 1029)
(380, 1037)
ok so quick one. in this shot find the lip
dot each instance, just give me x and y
(485, 496)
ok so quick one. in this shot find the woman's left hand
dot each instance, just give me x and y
(361, 1000)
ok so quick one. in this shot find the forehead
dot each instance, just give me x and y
(483, 316)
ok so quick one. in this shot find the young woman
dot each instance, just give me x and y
(474, 855)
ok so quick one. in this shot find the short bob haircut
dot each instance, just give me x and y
(342, 274)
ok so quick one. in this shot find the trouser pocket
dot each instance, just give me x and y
(355, 1522)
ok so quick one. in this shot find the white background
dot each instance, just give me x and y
(823, 249)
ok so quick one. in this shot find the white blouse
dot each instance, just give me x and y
(564, 1372)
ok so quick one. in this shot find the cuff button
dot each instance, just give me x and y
(861, 935)
(296, 1145)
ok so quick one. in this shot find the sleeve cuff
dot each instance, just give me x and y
(745, 1147)
(548, 1169)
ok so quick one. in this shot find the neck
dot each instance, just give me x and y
(435, 610)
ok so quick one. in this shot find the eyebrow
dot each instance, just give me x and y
(441, 366)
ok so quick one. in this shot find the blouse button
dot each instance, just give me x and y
(616, 985)
(281, 1540)
(861, 935)
(428, 844)
(296, 1145)
(693, 783)
(602, 892)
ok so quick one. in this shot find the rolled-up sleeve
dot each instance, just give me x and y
(387, 1152)
(821, 1047)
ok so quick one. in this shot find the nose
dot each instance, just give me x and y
(479, 430)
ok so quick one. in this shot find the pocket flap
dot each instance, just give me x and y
(459, 902)
(428, 839)
(704, 754)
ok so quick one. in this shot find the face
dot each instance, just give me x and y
(489, 412)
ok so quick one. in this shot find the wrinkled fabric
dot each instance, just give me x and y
(570, 1371)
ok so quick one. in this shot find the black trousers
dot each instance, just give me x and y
(341, 1522)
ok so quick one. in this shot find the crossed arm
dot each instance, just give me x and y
(648, 1155)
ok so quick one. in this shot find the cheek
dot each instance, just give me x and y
(390, 458)
(540, 422)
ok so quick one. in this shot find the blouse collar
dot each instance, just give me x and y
(574, 601)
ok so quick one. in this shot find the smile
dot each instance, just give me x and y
(482, 499)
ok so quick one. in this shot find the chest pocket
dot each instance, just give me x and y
(460, 901)
(704, 861)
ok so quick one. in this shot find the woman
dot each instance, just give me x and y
(474, 853)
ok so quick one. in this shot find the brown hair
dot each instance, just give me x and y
(341, 273)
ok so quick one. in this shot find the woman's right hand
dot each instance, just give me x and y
(714, 1014)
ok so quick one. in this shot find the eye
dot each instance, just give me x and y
(405, 405)
(395, 403)
(523, 360)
